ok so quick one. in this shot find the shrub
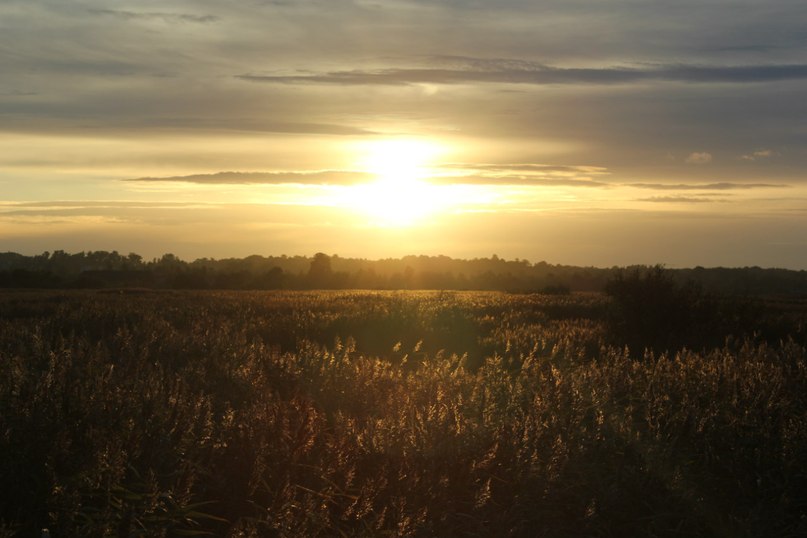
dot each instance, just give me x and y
(650, 310)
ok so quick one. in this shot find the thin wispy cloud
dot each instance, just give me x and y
(679, 199)
(535, 168)
(759, 155)
(320, 177)
(111, 204)
(167, 17)
(523, 174)
(519, 174)
(723, 186)
(701, 157)
(16, 93)
(521, 72)
(514, 179)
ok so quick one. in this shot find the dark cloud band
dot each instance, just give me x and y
(513, 72)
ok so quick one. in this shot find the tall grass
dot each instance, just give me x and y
(373, 414)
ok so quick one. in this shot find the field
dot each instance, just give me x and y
(144, 413)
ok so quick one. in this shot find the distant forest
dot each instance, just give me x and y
(102, 269)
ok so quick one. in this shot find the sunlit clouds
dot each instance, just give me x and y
(699, 157)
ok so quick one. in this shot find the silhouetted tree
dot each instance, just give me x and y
(134, 261)
(651, 310)
(272, 279)
(320, 274)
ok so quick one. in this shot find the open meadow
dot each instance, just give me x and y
(348, 413)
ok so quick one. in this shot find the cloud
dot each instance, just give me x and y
(678, 199)
(725, 186)
(94, 211)
(524, 180)
(699, 158)
(467, 174)
(534, 174)
(759, 154)
(555, 81)
(521, 174)
(510, 71)
(531, 167)
(113, 204)
(164, 17)
(17, 93)
(320, 177)
(109, 122)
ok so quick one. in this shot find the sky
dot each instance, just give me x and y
(585, 132)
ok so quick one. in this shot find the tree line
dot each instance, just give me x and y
(104, 269)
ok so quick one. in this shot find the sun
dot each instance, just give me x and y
(400, 195)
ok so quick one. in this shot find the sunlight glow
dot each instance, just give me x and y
(401, 194)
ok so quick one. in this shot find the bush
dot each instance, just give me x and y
(650, 310)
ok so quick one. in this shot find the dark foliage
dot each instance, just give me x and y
(111, 270)
(651, 310)
(360, 414)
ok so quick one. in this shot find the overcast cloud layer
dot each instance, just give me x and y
(706, 66)
(639, 101)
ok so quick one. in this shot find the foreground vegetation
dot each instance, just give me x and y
(391, 414)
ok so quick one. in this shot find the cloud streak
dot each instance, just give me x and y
(513, 180)
(759, 155)
(699, 158)
(160, 16)
(522, 174)
(320, 177)
(531, 168)
(678, 200)
(521, 72)
(723, 186)
(490, 174)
